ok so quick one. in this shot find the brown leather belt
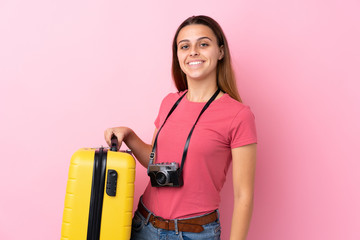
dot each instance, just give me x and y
(184, 225)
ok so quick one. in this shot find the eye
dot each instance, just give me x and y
(184, 47)
(204, 44)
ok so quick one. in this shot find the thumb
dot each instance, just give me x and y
(107, 135)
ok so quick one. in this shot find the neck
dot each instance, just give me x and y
(200, 92)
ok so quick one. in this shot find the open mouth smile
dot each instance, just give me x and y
(194, 63)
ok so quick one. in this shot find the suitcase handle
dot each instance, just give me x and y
(114, 143)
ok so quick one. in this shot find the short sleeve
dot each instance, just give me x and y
(163, 109)
(157, 122)
(242, 129)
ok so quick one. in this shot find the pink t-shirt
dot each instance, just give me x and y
(226, 124)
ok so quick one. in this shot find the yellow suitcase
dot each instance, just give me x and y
(99, 195)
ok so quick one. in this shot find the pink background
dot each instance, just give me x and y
(70, 69)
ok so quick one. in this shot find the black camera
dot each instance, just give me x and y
(165, 174)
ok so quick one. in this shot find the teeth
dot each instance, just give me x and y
(194, 63)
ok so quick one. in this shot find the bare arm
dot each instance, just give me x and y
(244, 160)
(140, 149)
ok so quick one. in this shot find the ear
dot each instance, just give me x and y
(221, 56)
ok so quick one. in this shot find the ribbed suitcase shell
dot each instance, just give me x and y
(116, 211)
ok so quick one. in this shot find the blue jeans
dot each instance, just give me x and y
(146, 231)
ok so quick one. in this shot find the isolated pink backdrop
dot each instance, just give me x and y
(70, 69)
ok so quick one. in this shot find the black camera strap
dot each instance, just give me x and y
(152, 154)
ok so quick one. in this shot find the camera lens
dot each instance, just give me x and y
(161, 178)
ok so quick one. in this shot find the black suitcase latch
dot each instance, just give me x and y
(111, 182)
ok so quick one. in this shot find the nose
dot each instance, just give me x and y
(194, 51)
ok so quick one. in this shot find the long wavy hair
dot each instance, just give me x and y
(225, 75)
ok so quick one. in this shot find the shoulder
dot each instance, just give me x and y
(234, 107)
(169, 100)
(172, 97)
(241, 123)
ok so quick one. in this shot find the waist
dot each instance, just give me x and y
(180, 203)
(185, 225)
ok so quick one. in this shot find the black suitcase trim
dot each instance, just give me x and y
(97, 194)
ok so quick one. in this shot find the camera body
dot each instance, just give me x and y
(165, 175)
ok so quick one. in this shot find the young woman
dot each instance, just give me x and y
(181, 201)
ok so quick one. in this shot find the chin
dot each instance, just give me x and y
(199, 76)
(196, 78)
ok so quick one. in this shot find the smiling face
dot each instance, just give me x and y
(198, 52)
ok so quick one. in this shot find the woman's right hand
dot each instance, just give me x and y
(140, 149)
(120, 132)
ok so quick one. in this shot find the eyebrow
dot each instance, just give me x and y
(186, 40)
